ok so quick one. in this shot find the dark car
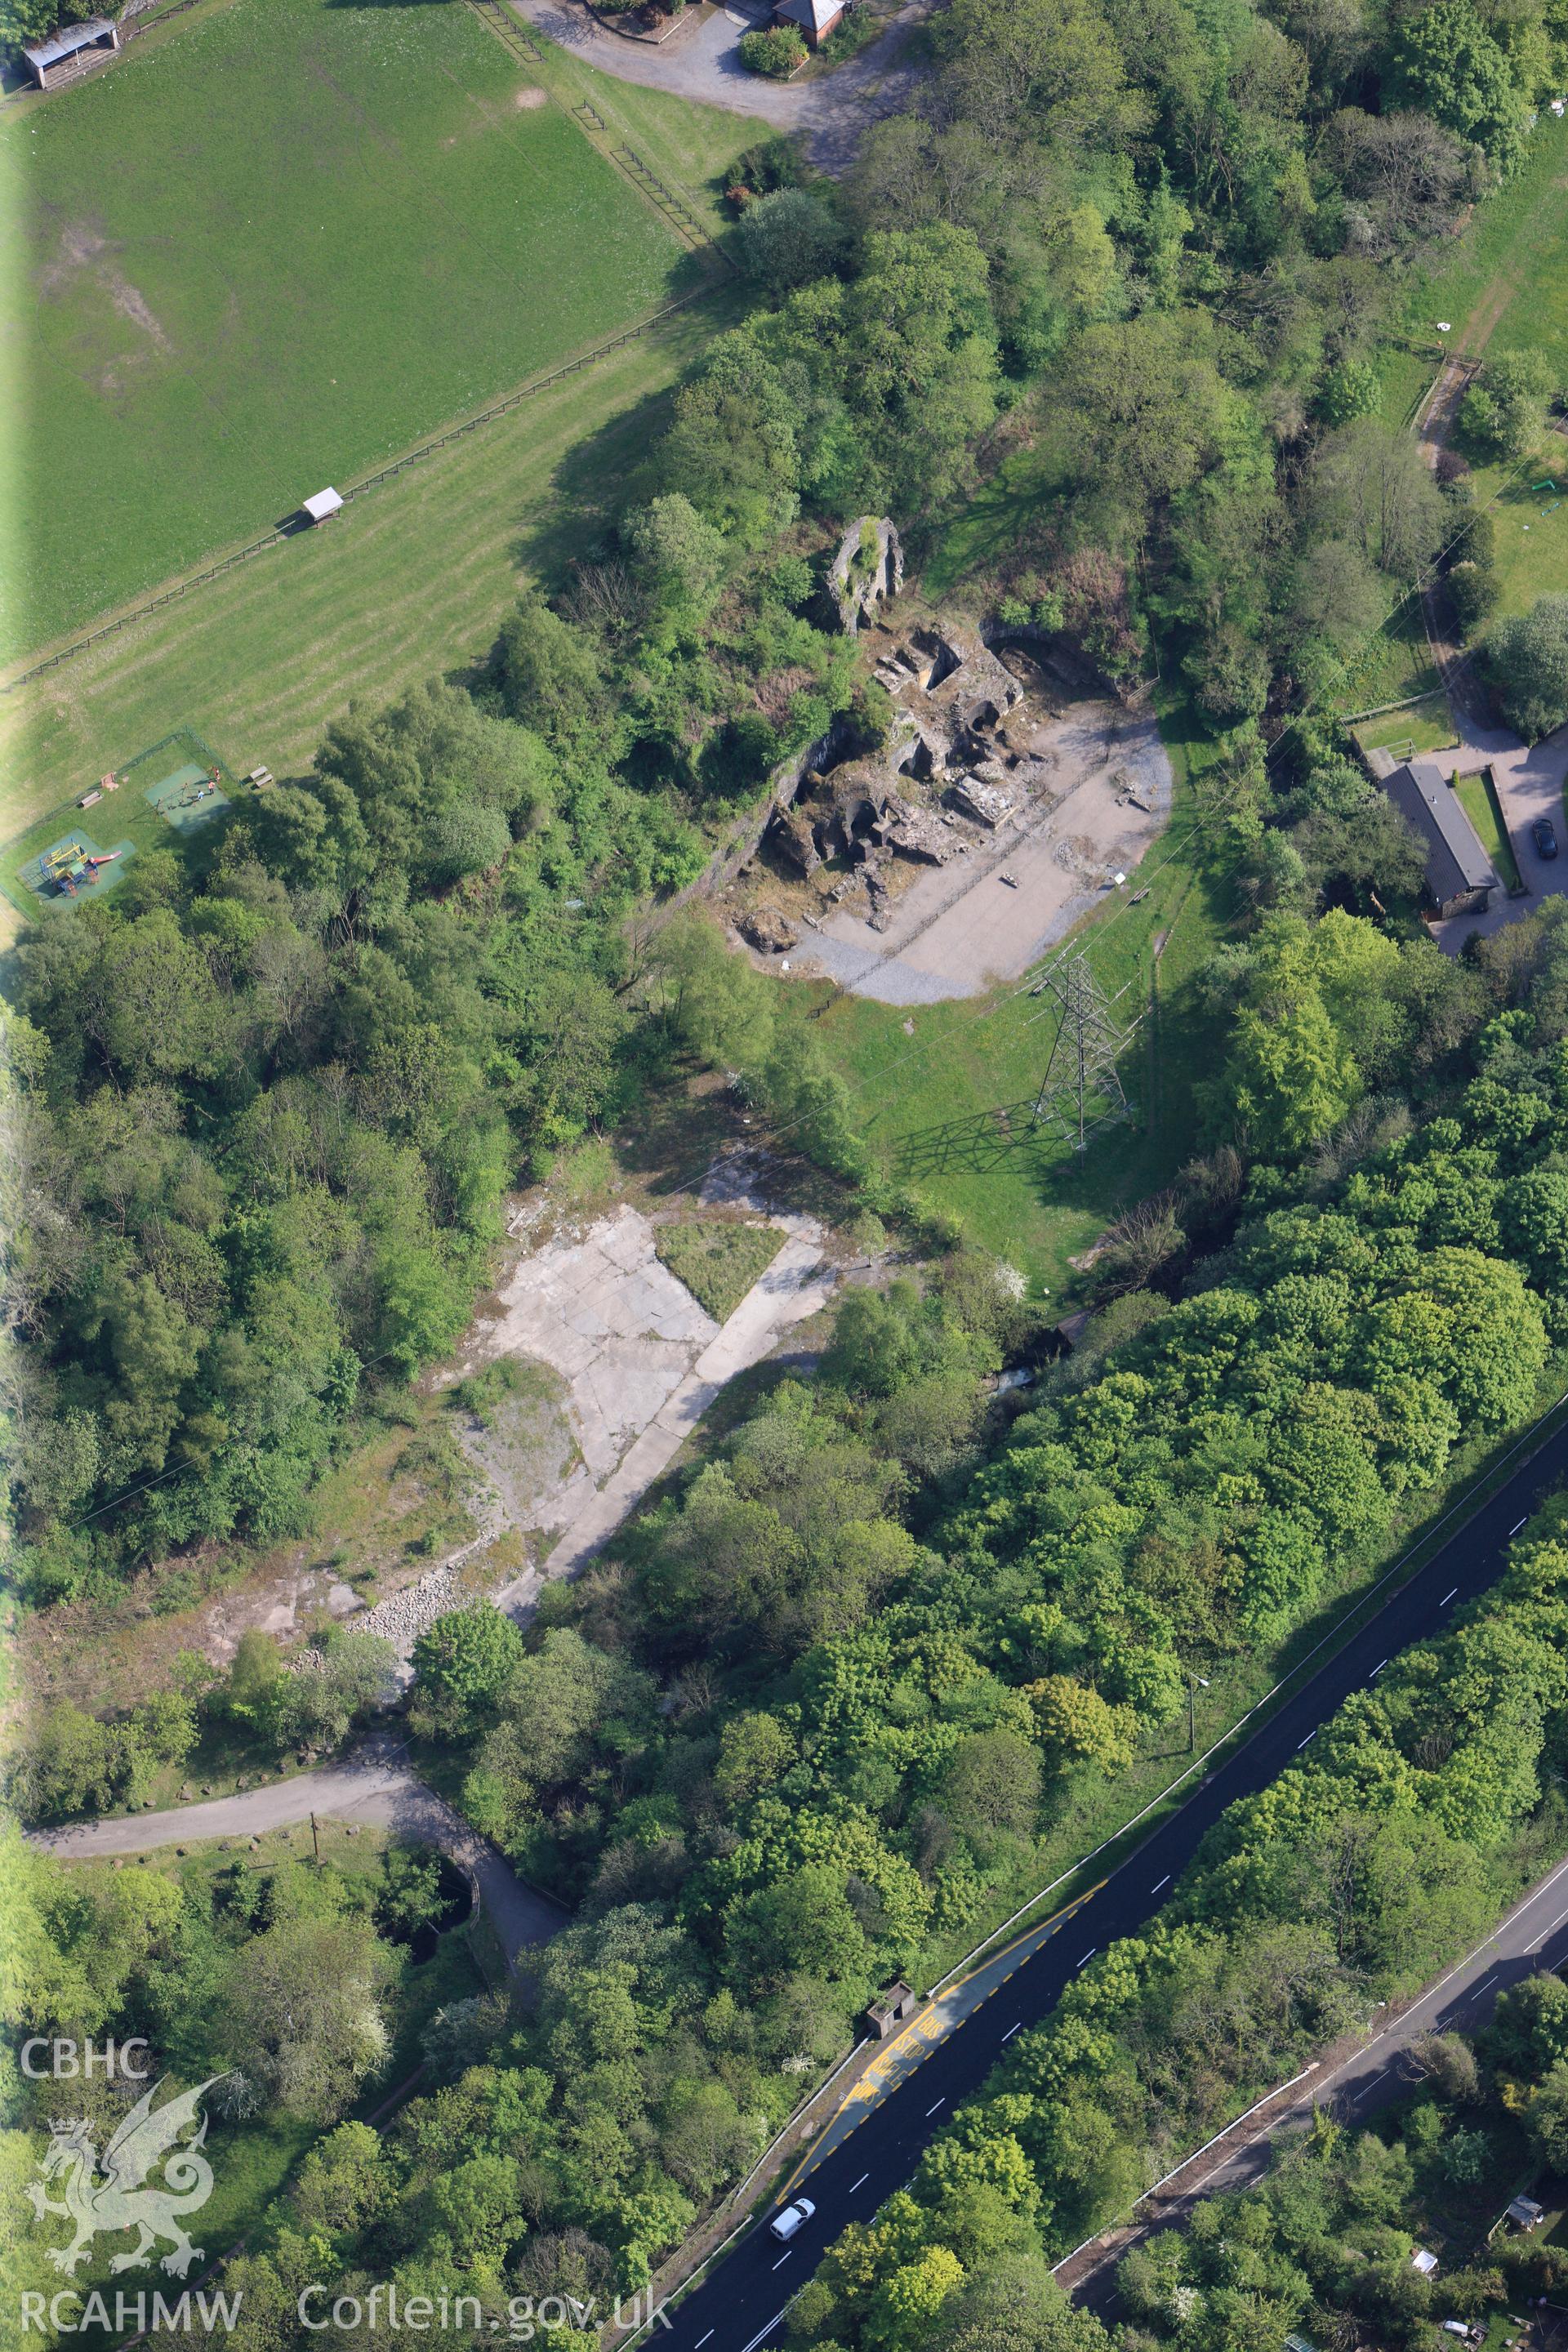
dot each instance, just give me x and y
(1545, 838)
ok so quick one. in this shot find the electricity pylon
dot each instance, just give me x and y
(1081, 1090)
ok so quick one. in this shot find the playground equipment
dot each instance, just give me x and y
(69, 867)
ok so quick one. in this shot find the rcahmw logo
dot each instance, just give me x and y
(67, 2312)
(117, 2197)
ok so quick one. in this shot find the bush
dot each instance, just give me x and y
(775, 162)
(1473, 592)
(855, 31)
(777, 53)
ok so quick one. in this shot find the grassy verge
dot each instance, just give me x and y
(1477, 798)
(1530, 518)
(1504, 284)
(718, 1260)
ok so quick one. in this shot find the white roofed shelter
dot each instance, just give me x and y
(322, 506)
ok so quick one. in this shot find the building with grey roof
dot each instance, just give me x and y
(70, 50)
(815, 19)
(1461, 877)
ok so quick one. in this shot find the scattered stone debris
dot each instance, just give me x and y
(915, 832)
(987, 804)
(768, 929)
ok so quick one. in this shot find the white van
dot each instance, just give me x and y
(793, 2217)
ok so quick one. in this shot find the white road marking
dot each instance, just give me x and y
(700, 2341)
(784, 2258)
(1164, 1882)
(1088, 1956)
(940, 2103)
(1308, 1739)
(1548, 1931)
(1377, 1670)
(858, 2184)
(1447, 1597)
(1012, 2030)
(768, 2330)
(1513, 1531)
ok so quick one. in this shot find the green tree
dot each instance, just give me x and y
(678, 558)
(462, 1665)
(787, 240)
(755, 1751)
(345, 2181)
(1447, 62)
(1526, 658)
(302, 2006)
(549, 677)
(1504, 410)
(993, 1782)
(803, 1925)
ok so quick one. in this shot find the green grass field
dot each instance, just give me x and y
(716, 1259)
(1506, 288)
(272, 250)
(927, 1102)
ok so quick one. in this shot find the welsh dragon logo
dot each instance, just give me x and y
(116, 2199)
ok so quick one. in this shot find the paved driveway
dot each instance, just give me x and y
(833, 109)
(1529, 780)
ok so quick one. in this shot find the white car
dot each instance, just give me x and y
(793, 2217)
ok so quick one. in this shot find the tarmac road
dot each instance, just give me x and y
(742, 2303)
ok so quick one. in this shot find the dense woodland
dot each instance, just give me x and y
(820, 1708)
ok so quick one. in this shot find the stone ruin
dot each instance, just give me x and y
(860, 576)
(950, 774)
